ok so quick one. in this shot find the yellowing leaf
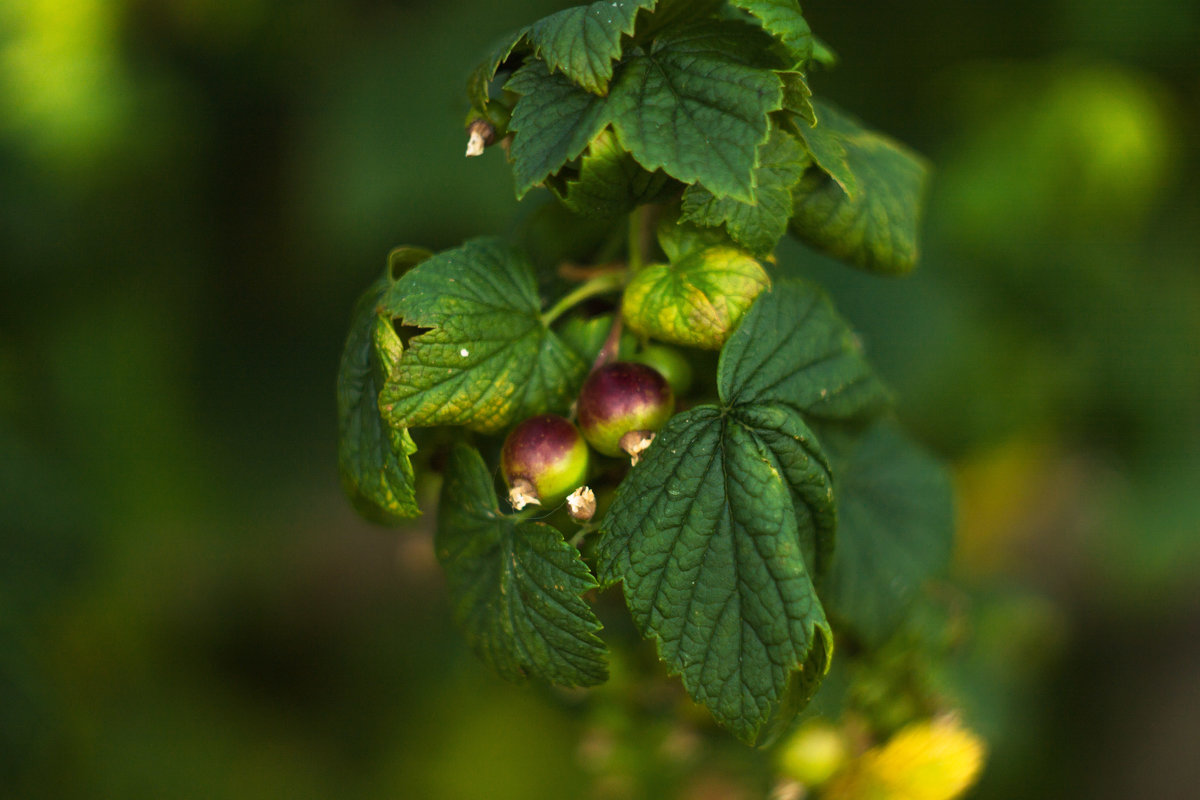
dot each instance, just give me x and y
(488, 358)
(696, 302)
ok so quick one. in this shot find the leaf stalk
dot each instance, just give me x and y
(601, 284)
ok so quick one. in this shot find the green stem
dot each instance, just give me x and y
(635, 240)
(584, 530)
(641, 235)
(600, 284)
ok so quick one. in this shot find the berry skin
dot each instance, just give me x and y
(623, 398)
(543, 460)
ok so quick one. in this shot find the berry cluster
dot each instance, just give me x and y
(619, 409)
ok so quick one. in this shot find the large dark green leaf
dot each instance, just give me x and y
(864, 204)
(793, 350)
(694, 105)
(487, 358)
(373, 457)
(704, 536)
(895, 528)
(718, 532)
(515, 586)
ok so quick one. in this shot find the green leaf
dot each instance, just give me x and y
(681, 239)
(827, 149)
(373, 457)
(823, 54)
(895, 529)
(696, 104)
(553, 122)
(872, 222)
(757, 226)
(792, 349)
(583, 42)
(515, 586)
(697, 301)
(610, 182)
(480, 80)
(797, 96)
(487, 359)
(783, 20)
(703, 534)
(718, 532)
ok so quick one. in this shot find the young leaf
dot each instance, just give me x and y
(696, 103)
(823, 54)
(488, 358)
(697, 301)
(582, 42)
(783, 20)
(872, 224)
(610, 182)
(792, 349)
(757, 226)
(553, 122)
(480, 79)
(895, 529)
(703, 534)
(797, 96)
(681, 239)
(373, 457)
(515, 586)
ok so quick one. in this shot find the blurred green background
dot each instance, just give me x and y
(193, 192)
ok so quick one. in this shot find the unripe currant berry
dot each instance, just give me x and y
(543, 460)
(673, 365)
(621, 405)
(813, 754)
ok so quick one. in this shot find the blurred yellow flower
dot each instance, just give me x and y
(931, 760)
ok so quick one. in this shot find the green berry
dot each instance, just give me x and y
(813, 754)
(671, 363)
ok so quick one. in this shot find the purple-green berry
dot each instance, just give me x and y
(543, 460)
(623, 399)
